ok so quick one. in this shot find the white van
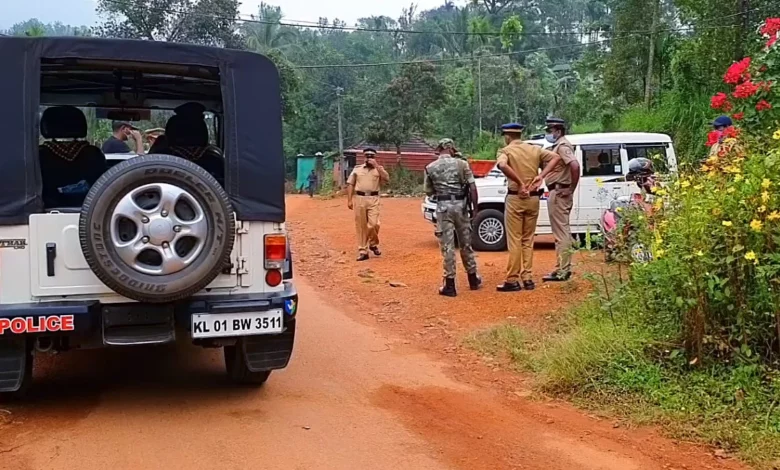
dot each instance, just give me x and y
(604, 163)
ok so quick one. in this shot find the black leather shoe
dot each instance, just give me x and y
(448, 288)
(529, 285)
(362, 257)
(556, 276)
(509, 287)
(475, 282)
(375, 251)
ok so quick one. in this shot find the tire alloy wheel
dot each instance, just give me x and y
(158, 229)
(490, 231)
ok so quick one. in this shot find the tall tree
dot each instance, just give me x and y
(405, 105)
(206, 22)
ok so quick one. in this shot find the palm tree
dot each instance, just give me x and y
(267, 33)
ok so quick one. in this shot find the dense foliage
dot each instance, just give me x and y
(647, 65)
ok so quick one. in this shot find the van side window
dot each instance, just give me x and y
(655, 152)
(601, 160)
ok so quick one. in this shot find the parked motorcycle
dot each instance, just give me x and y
(612, 225)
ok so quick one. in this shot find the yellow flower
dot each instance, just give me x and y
(658, 204)
(619, 209)
(756, 225)
(776, 135)
(661, 192)
(685, 184)
(761, 209)
(738, 178)
(726, 223)
(659, 252)
(774, 215)
(699, 253)
(766, 183)
(698, 187)
(599, 182)
(751, 256)
(765, 196)
(730, 190)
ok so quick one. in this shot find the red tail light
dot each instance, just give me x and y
(275, 251)
(273, 277)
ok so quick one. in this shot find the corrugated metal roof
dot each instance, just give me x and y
(410, 161)
(414, 145)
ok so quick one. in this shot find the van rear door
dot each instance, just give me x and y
(603, 180)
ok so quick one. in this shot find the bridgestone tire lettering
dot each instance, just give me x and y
(98, 249)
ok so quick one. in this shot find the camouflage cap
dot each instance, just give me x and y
(446, 143)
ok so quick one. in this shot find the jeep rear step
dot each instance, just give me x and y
(15, 364)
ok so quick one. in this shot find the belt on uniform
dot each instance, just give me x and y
(537, 193)
(554, 186)
(367, 193)
(450, 197)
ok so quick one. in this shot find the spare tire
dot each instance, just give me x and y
(156, 228)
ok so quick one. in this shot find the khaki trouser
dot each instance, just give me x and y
(367, 222)
(520, 217)
(560, 209)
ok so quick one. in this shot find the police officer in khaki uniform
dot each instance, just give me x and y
(561, 181)
(521, 162)
(363, 197)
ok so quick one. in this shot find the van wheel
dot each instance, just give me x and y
(237, 368)
(489, 231)
(156, 228)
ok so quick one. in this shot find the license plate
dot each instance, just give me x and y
(236, 324)
(429, 215)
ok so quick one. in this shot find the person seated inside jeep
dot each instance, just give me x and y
(69, 164)
(117, 143)
(187, 136)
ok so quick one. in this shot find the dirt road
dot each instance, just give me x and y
(356, 395)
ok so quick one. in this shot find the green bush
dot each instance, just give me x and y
(404, 181)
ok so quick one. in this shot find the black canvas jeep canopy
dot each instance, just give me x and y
(251, 113)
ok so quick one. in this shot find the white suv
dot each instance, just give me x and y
(603, 161)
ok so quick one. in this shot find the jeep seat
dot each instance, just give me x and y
(68, 167)
(188, 137)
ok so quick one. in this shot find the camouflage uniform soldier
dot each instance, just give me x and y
(445, 178)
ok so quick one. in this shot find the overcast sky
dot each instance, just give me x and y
(82, 12)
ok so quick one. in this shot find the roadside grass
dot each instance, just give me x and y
(614, 366)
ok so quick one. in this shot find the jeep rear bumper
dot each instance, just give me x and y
(83, 322)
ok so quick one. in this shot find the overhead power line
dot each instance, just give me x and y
(306, 24)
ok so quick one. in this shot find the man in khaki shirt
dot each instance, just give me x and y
(521, 162)
(363, 184)
(561, 181)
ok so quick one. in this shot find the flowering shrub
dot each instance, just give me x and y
(714, 282)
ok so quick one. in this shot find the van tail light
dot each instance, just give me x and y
(275, 251)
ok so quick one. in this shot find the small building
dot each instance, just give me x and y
(415, 155)
(304, 165)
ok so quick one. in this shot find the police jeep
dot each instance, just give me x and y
(186, 243)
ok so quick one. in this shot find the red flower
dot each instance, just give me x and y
(738, 116)
(771, 27)
(745, 90)
(765, 86)
(771, 41)
(731, 132)
(712, 138)
(738, 71)
(719, 101)
(763, 105)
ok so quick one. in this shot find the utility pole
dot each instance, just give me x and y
(651, 54)
(479, 90)
(342, 161)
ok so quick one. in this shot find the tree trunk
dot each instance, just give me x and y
(651, 54)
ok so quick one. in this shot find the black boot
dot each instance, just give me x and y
(448, 288)
(475, 282)
(509, 287)
(529, 285)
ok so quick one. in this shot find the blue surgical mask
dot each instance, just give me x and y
(549, 138)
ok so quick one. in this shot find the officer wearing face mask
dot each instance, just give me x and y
(561, 182)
